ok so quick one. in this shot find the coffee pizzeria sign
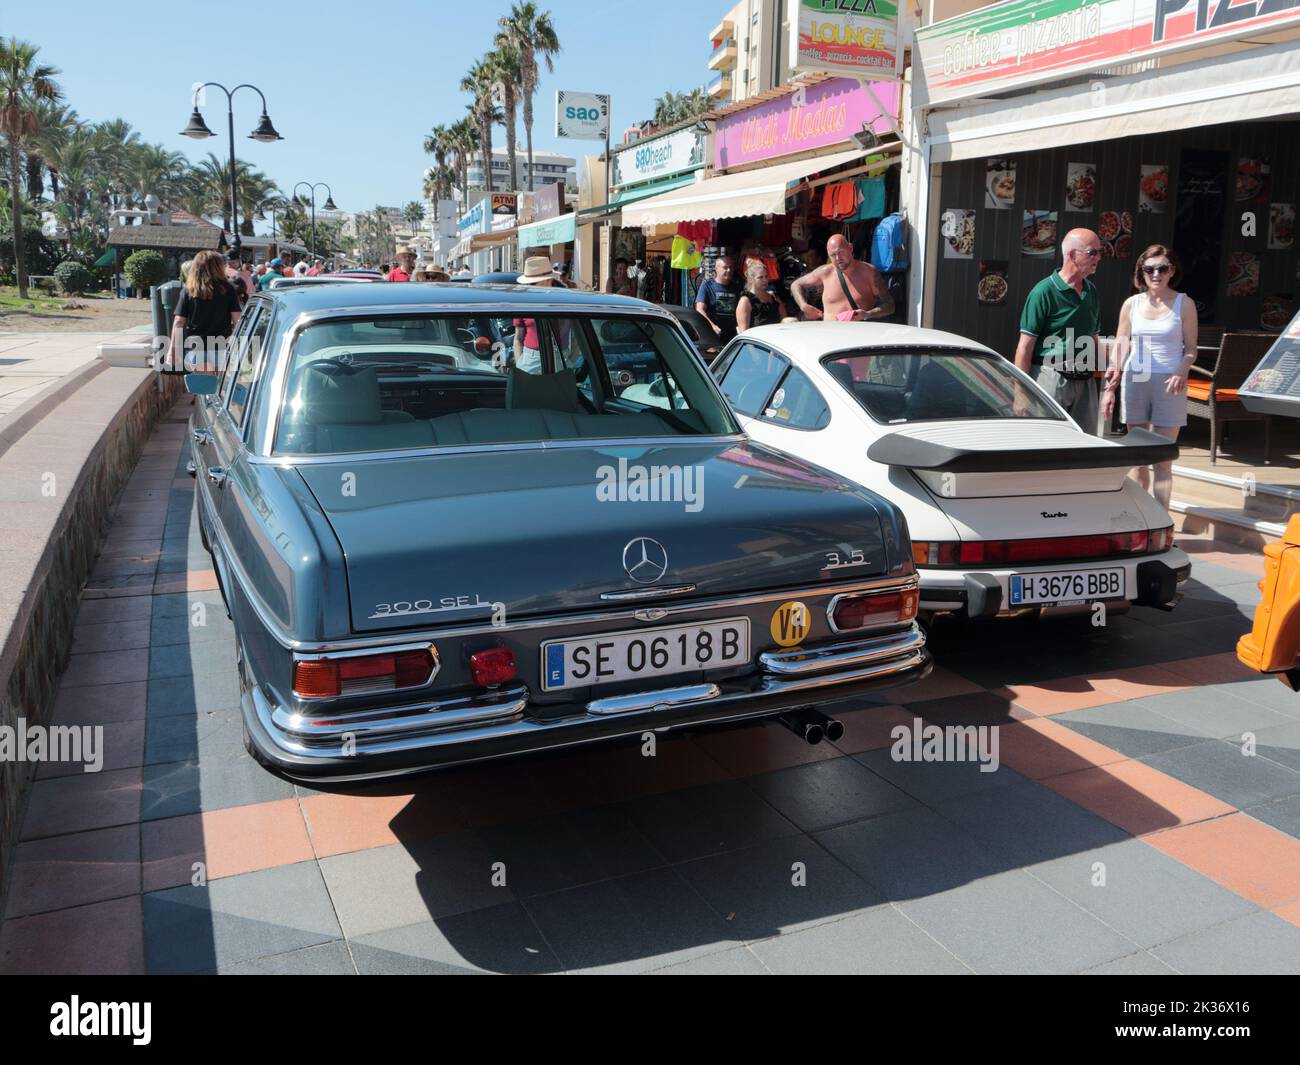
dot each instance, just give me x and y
(1023, 42)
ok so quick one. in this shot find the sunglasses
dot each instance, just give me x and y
(1151, 271)
(1091, 253)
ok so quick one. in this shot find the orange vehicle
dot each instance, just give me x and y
(1273, 644)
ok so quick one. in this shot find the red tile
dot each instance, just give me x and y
(1059, 696)
(102, 938)
(1137, 798)
(1255, 860)
(53, 874)
(229, 842)
(190, 581)
(340, 823)
(1041, 748)
(868, 728)
(939, 684)
(1212, 669)
(977, 708)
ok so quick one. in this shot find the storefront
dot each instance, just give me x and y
(1029, 134)
(546, 227)
(1145, 121)
(487, 234)
(789, 169)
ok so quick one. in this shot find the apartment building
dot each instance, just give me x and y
(750, 50)
(549, 168)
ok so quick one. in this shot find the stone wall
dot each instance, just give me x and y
(58, 480)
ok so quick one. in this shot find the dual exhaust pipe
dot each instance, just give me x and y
(812, 726)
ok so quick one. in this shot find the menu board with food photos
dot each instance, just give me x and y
(1273, 386)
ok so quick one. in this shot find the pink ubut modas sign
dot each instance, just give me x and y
(816, 117)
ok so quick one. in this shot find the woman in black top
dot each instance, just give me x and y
(207, 310)
(757, 306)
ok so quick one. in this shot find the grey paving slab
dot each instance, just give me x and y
(1258, 943)
(911, 854)
(181, 604)
(631, 924)
(217, 734)
(1029, 823)
(172, 789)
(216, 628)
(193, 695)
(1263, 691)
(1012, 923)
(325, 959)
(737, 962)
(548, 854)
(405, 884)
(882, 941)
(500, 939)
(1131, 729)
(1211, 711)
(779, 886)
(1143, 963)
(1222, 770)
(237, 919)
(695, 822)
(192, 659)
(935, 782)
(1145, 895)
(1280, 743)
(832, 792)
(1283, 815)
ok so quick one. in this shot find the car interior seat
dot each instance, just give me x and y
(345, 409)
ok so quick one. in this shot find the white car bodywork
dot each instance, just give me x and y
(1004, 504)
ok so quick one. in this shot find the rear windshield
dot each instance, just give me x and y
(895, 387)
(385, 382)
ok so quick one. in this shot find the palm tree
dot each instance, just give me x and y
(413, 212)
(506, 64)
(480, 81)
(532, 34)
(463, 142)
(23, 84)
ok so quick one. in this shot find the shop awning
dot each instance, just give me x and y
(626, 196)
(479, 241)
(1260, 83)
(460, 250)
(550, 231)
(754, 192)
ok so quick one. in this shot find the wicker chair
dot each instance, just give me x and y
(1212, 394)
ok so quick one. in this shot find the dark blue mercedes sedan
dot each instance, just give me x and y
(430, 561)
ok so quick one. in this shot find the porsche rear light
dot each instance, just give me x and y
(325, 678)
(967, 553)
(878, 608)
(493, 666)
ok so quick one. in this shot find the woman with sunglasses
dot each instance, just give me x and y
(1155, 348)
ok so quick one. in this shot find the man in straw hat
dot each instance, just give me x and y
(405, 264)
(528, 346)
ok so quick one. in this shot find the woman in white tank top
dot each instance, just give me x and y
(1155, 348)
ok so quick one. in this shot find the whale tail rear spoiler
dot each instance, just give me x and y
(1140, 447)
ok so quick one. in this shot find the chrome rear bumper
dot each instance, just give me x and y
(395, 740)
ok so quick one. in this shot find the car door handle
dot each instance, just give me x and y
(217, 476)
(202, 436)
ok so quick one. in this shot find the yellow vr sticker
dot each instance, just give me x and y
(790, 623)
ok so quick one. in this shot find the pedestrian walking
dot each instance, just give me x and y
(272, 272)
(205, 316)
(235, 275)
(1058, 344)
(757, 305)
(620, 284)
(527, 354)
(717, 297)
(1155, 347)
(852, 290)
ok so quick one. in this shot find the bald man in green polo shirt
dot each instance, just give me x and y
(1058, 331)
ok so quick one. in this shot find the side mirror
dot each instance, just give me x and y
(201, 384)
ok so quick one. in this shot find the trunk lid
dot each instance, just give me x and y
(453, 539)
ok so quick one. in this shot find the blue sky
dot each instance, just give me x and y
(352, 87)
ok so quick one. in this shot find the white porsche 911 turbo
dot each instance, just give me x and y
(1009, 513)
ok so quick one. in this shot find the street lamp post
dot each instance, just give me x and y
(328, 205)
(198, 130)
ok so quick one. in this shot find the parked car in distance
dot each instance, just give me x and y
(498, 277)
(1008, 513)
(697, 328)
(430, 562)
(319, 279)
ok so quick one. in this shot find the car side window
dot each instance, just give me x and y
(250, 357)
(797, 403)
(750, 378)
(233, 346)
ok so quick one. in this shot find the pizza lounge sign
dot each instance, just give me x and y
(1023, 42)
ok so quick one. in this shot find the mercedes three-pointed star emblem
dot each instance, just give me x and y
(645, 560)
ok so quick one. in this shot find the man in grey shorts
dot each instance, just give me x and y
(1058, 331)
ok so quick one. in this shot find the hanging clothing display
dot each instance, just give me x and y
(685, 254)
(871, 199)
(839, 200)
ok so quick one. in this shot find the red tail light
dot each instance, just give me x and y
(881, 608)
(968, 553)
(494, 666)
(324, 678)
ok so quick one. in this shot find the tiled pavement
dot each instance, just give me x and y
(1125, 832)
